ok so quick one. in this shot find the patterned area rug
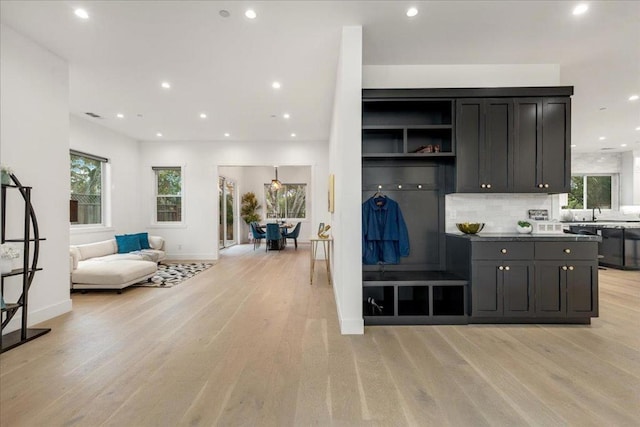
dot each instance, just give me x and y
(169, 275)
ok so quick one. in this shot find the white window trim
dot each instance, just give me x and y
(153, 223)
(105, 200)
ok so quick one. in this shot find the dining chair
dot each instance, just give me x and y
(274, 236)
(257, 235)
(294, 234)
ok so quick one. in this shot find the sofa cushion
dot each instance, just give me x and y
(127, 243)
(144, 240)
(112, 273)
(156, 242)
(98, 249)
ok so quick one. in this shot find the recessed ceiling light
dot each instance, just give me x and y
(224, 13)
(638, 128)
(634, 97)
(227, 134)
(573, 145)
(251, 14)
(203, 115)
(120, 116)
(293, 135)
(602, 138)
(166, 85)
(411, 12)
(623, 145)
(580, 9)
(159, 134)
(286, 115)
(81, 13)
(276, 85)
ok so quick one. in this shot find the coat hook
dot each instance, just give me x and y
(399, 185)
(419, 185)
(379, 187)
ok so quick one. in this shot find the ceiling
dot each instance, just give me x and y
(224, 67)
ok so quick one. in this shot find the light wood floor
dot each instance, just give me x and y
(249, 342)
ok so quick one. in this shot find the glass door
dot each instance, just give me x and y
(227, 220)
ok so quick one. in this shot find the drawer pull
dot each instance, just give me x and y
(501, 268)
(567, 251)
(571, 267)
(483, 186)
(564, 267)
(507, 268)
(488, 185)
(546, 186)
(504, 251)
(540, 185)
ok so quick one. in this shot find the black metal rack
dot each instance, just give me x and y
(27, 272)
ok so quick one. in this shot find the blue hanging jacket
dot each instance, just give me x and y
(384, 233)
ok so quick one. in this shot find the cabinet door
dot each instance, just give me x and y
(517, 289)
(495, 154)
(528, 137)
(469, 140)
(486, 289)
(554, 158)
(550, 286)
(582, 289)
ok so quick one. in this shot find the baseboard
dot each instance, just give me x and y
(351, 326)
(42, 315)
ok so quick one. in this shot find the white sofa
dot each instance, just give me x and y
(100, 266)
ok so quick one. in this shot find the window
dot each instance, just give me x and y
(288, 202)
(87, 181)
(591, 192)
(168, 188)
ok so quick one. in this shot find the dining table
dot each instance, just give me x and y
(284, 227)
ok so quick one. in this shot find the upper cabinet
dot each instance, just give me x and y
(407, 128)
(513, 145)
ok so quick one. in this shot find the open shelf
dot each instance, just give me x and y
(383, 296)
(413, 300)
(407, 113)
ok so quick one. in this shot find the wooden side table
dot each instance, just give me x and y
(326, 246)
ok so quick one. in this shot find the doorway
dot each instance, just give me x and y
(227, 220)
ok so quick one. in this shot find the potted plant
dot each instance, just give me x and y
(249, 208)
(7, 255)
(524, 227)
(6, 174)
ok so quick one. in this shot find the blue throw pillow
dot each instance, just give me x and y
(144, 240)
(128, 243)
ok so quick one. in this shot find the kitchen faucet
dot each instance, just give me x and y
(593, 212)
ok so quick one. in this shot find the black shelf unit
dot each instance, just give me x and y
(31, 251)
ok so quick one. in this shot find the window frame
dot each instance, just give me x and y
(105, 193)
(615, 190)
(154, 210)
(284, 185)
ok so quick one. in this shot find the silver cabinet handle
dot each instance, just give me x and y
(571, 267)
(501, 268)
(564, 267)
(483, 186)
(507, 268)
(567, 251)
(540, 185)
(504, 251)
(546, 186)
(488, 185)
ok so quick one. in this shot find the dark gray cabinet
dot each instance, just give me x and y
(483, 138)
(566, 289)
(541, 145)
(502, 288)
(508, 145)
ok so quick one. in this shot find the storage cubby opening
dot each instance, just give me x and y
(413, 300)
(419, 138)
(377, 301)
(381, 141)
(448, 300)
(406, 113)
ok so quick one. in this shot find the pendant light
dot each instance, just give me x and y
(275, 183)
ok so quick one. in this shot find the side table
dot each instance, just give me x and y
(326, 246)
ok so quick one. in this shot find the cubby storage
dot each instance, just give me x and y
(382, 141)
(407, 113)
(449, 300)
(413, 301)
(378, 301)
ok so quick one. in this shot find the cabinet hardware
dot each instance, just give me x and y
(546, 186)
(504, 251)
(564, 267)
(540, 185)
(399, 186)
(571, 267)
(488, 185)
(567, 251)
(507, 268)
(483, 186)
(501, 268)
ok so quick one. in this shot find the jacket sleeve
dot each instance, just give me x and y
(403, 240)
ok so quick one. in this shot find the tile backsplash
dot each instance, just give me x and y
(499, 212)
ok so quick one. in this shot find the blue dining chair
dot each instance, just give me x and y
(257, 235)
(294, 234)
(274, 237)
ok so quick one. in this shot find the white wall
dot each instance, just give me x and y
(124, 165)
(198, 237)
(345, 148)
(34, 112)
